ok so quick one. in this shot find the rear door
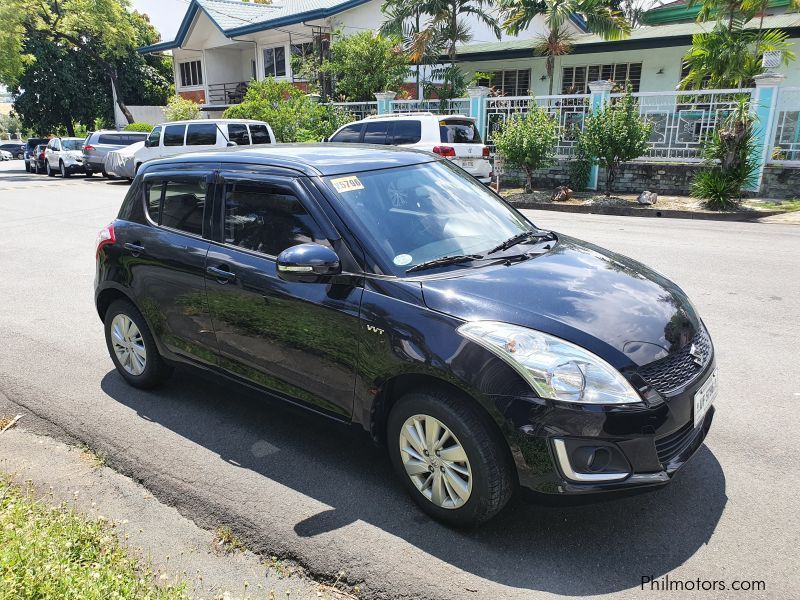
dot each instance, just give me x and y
(165, 259)
(298, 340)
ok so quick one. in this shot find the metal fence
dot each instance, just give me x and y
(786, 133)
(359, 110)
(456, 106)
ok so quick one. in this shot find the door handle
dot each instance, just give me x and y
(134, 248)
(222, 275)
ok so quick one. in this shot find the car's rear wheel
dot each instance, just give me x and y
(48, 168)
(448, 457)
(63, 169)
(105, 174)
(132, 347)
(89, 173)
(27, 168)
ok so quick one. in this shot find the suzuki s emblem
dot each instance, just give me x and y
(374, 329)
(695, 353)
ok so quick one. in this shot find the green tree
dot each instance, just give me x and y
(293, 116)
(528, 142)
(101, 29)
(181, 109)
(365, 63)
(558, 40)
(614, 135)
(403, 21)
(446, 27)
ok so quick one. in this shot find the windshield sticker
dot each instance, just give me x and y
(402, 259)
(347, 184)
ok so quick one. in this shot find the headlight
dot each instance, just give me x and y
(555, 369)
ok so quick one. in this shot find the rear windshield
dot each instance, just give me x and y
(33, 142)
(72, 144)
(120, 139)
(459, 131)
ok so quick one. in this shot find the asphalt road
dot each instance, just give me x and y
(294, 484)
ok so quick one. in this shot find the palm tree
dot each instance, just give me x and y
(403, 18)
(602, 20)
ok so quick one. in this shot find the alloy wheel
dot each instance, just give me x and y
(435, 461)
(128, 344)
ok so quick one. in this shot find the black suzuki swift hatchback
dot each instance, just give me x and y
(387, 288)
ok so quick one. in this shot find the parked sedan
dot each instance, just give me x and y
(16, 149)
(388, 288)
(64, 155)
(6, 155)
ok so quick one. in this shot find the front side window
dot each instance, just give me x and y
(201, 134)
(237, 132)
(267, 217)
(407, 132)
(177, 203)
(419, 213)
(260, 134)
(459, 131)
(173, 135)
(275, 62)
(350, 134)
(154, 136)
(191, 73)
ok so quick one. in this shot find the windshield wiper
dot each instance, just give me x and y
(444, 260)
(522, 237)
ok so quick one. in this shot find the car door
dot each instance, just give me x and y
(165, 258)
(54, 152)
(152, 146)
(172, 142)
(298, 340)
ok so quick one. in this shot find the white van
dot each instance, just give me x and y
(179, 137)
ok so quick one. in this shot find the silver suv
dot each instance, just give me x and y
(99, 143)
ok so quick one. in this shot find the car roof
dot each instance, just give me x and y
(212, 121)
(310, 159)
(412, 115)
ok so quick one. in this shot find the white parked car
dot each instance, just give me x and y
(63, 155)
(6, 155)
(453, 136)
(179, 137)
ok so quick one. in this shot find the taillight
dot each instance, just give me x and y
(105, 237)
(444, 150)
(485, 152)
(88, 148)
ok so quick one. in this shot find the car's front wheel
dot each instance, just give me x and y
(132, 347)
(27, 168)
(63, 169)
(450, 460)
(49, 169)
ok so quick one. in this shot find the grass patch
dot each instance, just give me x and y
(4, 421)
(225, 541)
(785, 205)
(96, 459)
(51, 552)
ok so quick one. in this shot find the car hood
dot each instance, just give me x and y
(129, 151)
(605, 302)
(72, 153)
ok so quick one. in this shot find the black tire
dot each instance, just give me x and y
(64, 172)
(105, 174)
(156, 370)
(492, 472)
(88, 173)
(27, 167)
(48, 169)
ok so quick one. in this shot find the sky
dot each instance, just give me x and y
(165, 15)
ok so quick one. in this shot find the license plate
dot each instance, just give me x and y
(467, 164)
(704, 397)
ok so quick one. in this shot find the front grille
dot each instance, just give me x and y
(673, 444)
(679, 368)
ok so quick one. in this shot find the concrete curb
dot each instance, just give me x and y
(626, 211)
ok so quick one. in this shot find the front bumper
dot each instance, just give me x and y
(652, 442)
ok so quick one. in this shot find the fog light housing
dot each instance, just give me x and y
(583, 461)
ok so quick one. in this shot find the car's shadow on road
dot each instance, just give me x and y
(569, 550)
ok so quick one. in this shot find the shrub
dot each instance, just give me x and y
(181, 109)
(728, 155)
(293, 116)
(528, 142)
(146, 127)
(614, 135)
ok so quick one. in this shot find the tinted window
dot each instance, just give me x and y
(115, 139)
(173, 135)
(459, 132)
(260, 134)
(201, 134)
(407, 132)
(375, 133)
(267, 217)
(73, 145)
(179, 204)
(237, 132)
(154, 136)
(349, 134)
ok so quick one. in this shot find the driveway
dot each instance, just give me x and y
(294, 484)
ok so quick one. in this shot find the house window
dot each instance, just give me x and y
(509, 83)
(191, 73)
(275, 62)
(575, 80)
(304, 50)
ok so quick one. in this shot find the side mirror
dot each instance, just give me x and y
(326, 139)
(232, 144)
(308, 263)
(147, 143)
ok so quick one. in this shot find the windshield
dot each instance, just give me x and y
(72, 144)
(419, 213)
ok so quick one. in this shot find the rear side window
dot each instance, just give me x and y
(237, 132)
(173, 135)
(376, 132)
(454, 131)
(260, 134)
(178, 203)
(407, 132)
(267, 217)
(348, 135)
(201, 134)
(154, 136)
